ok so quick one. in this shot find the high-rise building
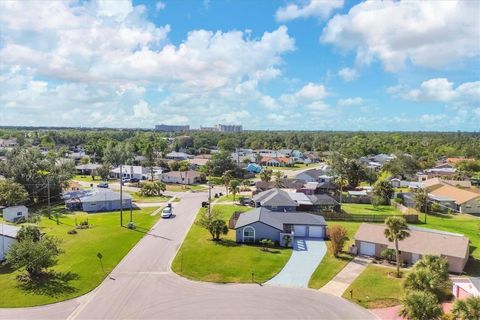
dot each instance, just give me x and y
(171, 128)
(228, 128)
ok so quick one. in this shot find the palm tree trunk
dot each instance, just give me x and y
(398, 258)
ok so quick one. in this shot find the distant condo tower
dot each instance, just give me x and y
(169, 128)
(223, 128)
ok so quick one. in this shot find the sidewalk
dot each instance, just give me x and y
(344, 278)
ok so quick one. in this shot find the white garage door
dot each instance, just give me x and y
(315, 232)
(367, 248)
(300, 231)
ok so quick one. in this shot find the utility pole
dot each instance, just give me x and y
(121, 196)
(48, 197)
(209, 197)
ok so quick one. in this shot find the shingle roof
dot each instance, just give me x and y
(459, 195)
(275, 197)
(278, 219)
(88, 166)
(322, 199)
(421, 241)
(314, 173)
(182, 174)
(105, 196)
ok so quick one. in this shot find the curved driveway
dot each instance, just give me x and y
(143, 287)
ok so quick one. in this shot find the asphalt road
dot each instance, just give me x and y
(143, 287)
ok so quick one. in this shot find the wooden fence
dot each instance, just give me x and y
(333, 216)
(233, 220)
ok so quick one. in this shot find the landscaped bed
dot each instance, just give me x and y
(137, 197)
(200, 258)
(376, 287)
(78, 270)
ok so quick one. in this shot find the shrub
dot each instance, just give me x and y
(73, 231)
(388, 254)
(338, 237)
(266, 243)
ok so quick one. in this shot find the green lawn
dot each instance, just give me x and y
(229, 198)
(330, 266)
(87, 179)
(78, 270)
(139, 198)
(202, 259)
(183, 188)
(355, 208)
(376, 287)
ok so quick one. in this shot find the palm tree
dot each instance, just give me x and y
(233, 186)
(419, 305)
(468, 309)
(227, 177)
(183, 167)
(278, 179)
(396, 230)
(421, 200)
(436, 264)
(266, 175)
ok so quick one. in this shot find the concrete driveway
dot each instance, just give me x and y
(307, 254)
(143, 287)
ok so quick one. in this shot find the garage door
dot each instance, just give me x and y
(300, 231)
(367, 248)
(315, 232)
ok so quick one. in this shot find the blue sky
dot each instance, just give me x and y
(288, 65)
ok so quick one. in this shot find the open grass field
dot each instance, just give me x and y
(78, 270)
(330, 266)
(356, 208)
(376, 287)
(202, 259)
(87, 179)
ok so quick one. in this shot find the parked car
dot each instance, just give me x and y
(167, 212)
(102, 185)
(134, 180)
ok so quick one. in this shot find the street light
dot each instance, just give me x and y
(209, 196)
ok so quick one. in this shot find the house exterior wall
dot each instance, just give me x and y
(455, 264)
(262, 231)
(105, 205)
(11, 214)
(188, 180)
(5, 243)
(472, 206)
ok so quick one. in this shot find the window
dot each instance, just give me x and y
(19, 214)
(248, 234)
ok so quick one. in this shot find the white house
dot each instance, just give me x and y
(463, 287)
(8, 236)
(14, 213)
(96, 200)
(129, 172)
(184, 177)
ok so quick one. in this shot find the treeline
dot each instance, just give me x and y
(350, 144)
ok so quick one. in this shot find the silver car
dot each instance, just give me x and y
(167, 212)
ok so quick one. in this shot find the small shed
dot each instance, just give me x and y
(8, 236)
(15, 213)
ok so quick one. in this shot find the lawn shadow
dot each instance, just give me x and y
(6, 268)
(147, 232)
(52, 284)
(472, 268)
(226, 243)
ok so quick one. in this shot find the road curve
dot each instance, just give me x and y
(143, 287)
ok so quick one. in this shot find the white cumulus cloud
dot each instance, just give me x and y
(320, 9)
(348, 74)
(431, 34)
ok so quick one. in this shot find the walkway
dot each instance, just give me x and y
(344, 278)
(306, 256)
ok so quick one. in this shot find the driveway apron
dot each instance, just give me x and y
(306, 256)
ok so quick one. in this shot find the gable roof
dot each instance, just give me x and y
(275, 197)
(279, 159)
(421, 240)
(105, 195)
(460, 196)
(278, 219)
(182, 174)
(9, 230)
(313, 173)
(322, 199)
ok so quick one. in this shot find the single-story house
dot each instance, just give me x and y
(99, 200)
(276, 200)
(197, 162)
(261, 223)
(129, 172)
(183, 177)
(8, 143)
(253, 168)
(88, 169)
(370, 240)
(8, 236)
(312, 175)
(324, 202)
(178, 156)
(435, 183)
(466, 201)
(14, 213)
(276, 161)
(355, 193)
(292, 184)
(464, 287)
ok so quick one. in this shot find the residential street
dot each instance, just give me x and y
(143, 287)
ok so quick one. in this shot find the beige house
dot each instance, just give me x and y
(371, 241)
(466, 201)
(183, 177)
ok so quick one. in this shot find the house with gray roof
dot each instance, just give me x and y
(261, 223)
(8, 236)
(276, 200)
(88, 169)
(96, 200)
